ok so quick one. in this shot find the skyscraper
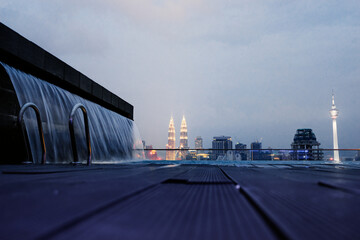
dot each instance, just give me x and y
(170, 155)
(183, 139)
(256, 150)
(183, 134)
(334, 113)
(305, 146)
(222, 143)
(243, 153)
(198, 142)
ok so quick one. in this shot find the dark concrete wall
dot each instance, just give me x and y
(12, 141)
(26, 56)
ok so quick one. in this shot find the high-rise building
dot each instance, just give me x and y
(305, 146)
(239, 150)
(150, 153)
(222, 143)
(198, 142)
(357, 157)
(183, 139)
(183, 134)
(170, 154)
(255, 150)
(334, 113)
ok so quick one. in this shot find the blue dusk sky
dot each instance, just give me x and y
(246, 69)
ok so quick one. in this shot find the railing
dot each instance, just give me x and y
(40, 129)
(267, 154)
(72, 133)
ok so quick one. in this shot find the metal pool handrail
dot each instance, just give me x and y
(40, 129)
(72, 133)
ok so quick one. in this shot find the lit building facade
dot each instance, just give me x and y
(170, 154)
(150, 153)
(334, 113)
(183, 139)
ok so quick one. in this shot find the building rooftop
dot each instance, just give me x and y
(304, 135)
(159, 201)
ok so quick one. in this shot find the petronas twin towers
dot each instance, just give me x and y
(170, 154)
(173, 154)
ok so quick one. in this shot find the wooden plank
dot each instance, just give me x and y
(176, 211)
(203, 174)
(301, 209)
(34, 205)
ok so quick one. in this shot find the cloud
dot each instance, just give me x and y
(159, 10)
(248, 69)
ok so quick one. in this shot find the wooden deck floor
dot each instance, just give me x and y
(145, 201)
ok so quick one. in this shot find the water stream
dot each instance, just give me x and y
(113, 137)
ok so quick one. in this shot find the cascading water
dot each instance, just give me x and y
(113, 137)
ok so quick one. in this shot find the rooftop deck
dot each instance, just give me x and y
(152, 201)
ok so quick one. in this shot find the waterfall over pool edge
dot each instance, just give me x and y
(113, 137)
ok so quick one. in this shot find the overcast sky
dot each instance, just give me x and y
(246, 69)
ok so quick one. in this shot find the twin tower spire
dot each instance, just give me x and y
(171, 154)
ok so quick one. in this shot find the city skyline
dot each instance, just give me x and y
(334, 112)
(240, 90)
(248, 69)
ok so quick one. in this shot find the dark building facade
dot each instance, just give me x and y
(222, 143)
(305, 146)
(239, 149)
(357, 157)
(255, 150)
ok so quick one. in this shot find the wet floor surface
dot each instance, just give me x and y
(148, 201)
